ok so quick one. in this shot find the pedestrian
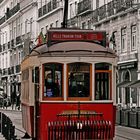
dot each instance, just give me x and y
(12, 100)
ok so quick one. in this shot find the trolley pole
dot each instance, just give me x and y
(65, 15)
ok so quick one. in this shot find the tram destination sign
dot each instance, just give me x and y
(74, 35)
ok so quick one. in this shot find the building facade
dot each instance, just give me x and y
(16, 24)
(120, 20)
(21, 21)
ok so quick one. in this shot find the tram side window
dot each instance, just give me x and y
(25, 85)
(35, 75)
(102, 81)
(53, 80)
(79, 80)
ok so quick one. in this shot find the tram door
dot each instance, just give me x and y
(36, 97)
(102, 84)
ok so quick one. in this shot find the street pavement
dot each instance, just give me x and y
(1, 137)
(128, 133)
(16, 118)
(121, 132)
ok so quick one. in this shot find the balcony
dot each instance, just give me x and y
(95, 15)
(84, 6)
(11, 12)
(50, 6)
(18, 40)
(2, 20)
(110, 9)
(17, 68)
(122, 5)
(102, 12)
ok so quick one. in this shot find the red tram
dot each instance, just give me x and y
(69, 87)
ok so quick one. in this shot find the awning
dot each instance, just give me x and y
(135, 84)
(124, 84)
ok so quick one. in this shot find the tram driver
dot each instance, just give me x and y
(51, 87)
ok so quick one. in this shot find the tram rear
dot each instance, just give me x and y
(69, 86)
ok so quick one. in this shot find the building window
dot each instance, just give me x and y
(22, 55)
(10, 60)
(5, 37)
(26, 26)
(51, 25)
(19, 57)
(97, 4)
(57, 23)
(89, 24)
(76, 7)
(113, 40)
(11, 5)
(11, 37)
(6, 60)
(2, 60)
(2, 38)
(15, 62)
(15, 32)
(70, 10)
(123, 40)
(84, 25)
(31, 24)
(133, 37)
(46, 28)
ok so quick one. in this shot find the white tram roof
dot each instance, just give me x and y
(73, 48)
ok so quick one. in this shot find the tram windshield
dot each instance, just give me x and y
(79, 80)
(53, 80)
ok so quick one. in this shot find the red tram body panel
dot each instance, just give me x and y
(68, 87)
(58, 108)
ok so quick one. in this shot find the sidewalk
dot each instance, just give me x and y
(1, 137)
(128, 129)
(16, 117)
(128, 132)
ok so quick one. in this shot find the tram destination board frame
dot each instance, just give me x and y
(57, 36)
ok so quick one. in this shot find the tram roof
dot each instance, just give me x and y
(73, 48)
